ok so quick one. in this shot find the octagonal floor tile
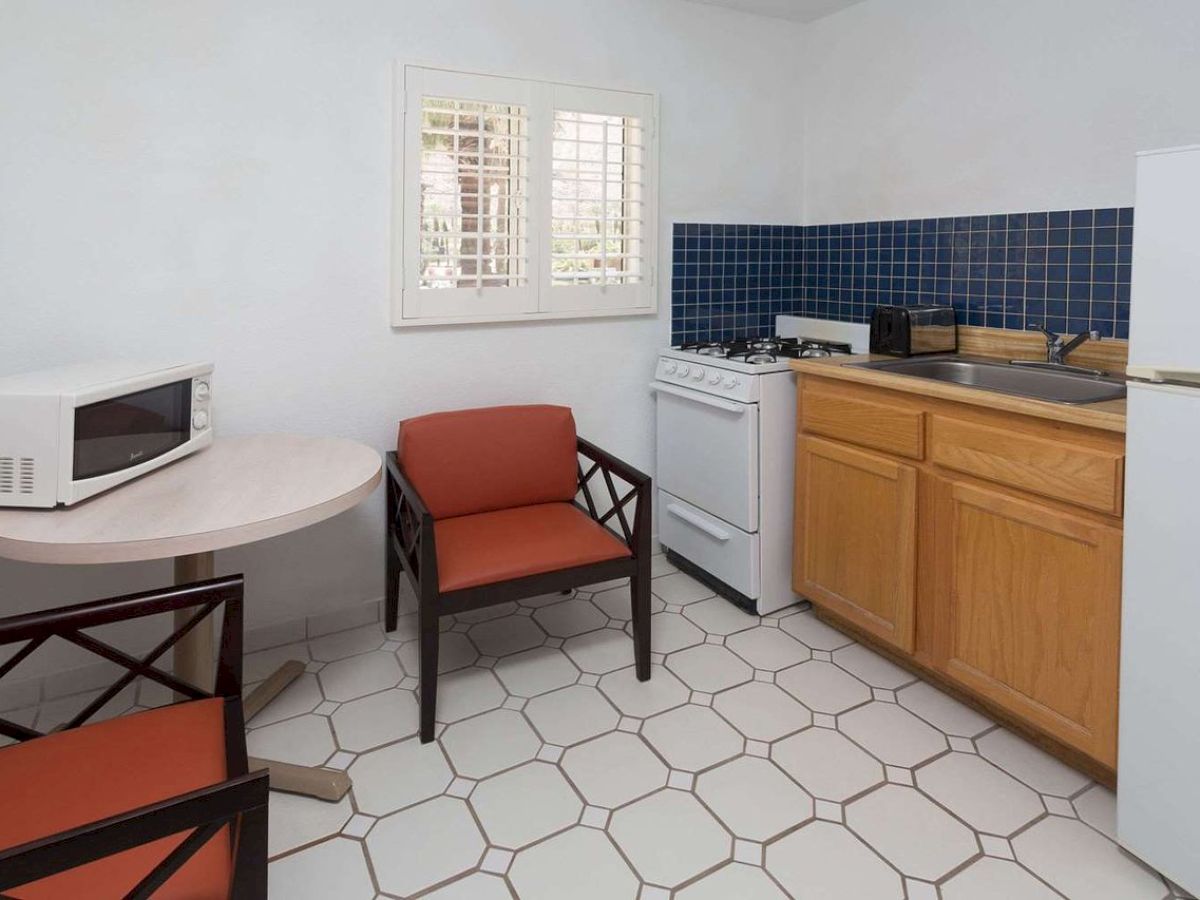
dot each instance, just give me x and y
(827, 764)
(692, 738)
(571, 617)
(669, 837)
(709, 668)
(1080, 862)
(823, 687)
(334, 868)
(869, 666)
(341, 644)
(357, 676)
(510, 634)
(525, 804)
(476, 886)
(486, 744)
(301, 696)
(734, 881)
(717, 615)
(813, 633)
(916, 836)
(375, 720)
(305, 740)
(892, 734)
(614, 769)
(571, 714)
(762, 712)
(398, 775)
(615, 603)
(455, 651)
(980, 794)
(1098, 807)
(487, 613)
(754, 799)
(642, 699)
(942, 711)
(536, 671)
(995, 879)
(602, 651)
(1027, 763)
(670, 632)
(825, 860)
(581, 864)
(680, 589)
(467, 692)
(294, 821)
(458, 845)
(768, 648)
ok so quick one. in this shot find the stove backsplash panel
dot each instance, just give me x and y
(1068, 270)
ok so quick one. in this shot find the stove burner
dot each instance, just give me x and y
(764, 350)
(760, 359)
(767, 346)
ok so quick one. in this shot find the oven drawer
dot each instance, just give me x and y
(725, 552)
(708, 453)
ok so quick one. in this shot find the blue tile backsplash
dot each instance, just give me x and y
(1067, 270)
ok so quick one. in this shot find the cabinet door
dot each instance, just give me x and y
(1030, 599)
(855, 550)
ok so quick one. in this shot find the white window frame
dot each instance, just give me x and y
(538, 299)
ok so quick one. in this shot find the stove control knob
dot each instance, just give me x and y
(731, 382)
(697, 373)
(714, 377)
(670, 367)
(683, 370)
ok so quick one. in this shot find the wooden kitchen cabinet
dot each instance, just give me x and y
(1029, 597)
(980, 546)
(856, 543)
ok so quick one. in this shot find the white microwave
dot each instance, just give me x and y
(67, 434)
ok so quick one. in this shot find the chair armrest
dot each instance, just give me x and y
(410, 529)
(406, 487)
(607, 461)
(637, 536)
(204, 810)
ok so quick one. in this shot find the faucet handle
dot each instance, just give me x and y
(1051, 337)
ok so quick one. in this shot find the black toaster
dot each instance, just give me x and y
(913, 330)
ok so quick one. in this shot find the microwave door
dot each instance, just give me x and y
(131, 429)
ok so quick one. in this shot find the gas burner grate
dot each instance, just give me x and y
(764, 350)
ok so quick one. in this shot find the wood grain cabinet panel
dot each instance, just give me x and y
(1031, 595)
(841, 415)
(1065, 470)
(856, 537)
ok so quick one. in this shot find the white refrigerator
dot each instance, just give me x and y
(1158, 788)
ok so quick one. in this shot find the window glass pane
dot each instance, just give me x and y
(474, 186)
(595, 199)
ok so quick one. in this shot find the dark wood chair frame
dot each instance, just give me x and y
(411, 546)
(239, 802)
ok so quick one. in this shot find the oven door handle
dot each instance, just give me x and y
(692, 519)
(696, 397)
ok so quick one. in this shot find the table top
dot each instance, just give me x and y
(241, 489)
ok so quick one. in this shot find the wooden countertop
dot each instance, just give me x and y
(1108, 415)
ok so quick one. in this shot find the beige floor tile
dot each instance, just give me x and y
(823, 687)
(762, 712)
(581, 864)
(824, 860)
(916, 836)
(827, 764)
(669, 837)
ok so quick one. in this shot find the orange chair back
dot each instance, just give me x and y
(479, 460)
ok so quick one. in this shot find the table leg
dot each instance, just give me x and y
(195, 663)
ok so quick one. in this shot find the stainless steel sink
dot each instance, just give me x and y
(990, 375)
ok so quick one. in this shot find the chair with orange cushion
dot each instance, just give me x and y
(156, 803)
(486, 506)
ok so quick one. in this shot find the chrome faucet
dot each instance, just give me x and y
(1057, 351)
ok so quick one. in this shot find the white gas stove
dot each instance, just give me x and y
(726, 433)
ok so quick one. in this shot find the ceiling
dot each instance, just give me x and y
(796, 10)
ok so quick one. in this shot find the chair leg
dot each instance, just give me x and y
(250, 866)
(391, 604)
(639, 589)
(430, 637)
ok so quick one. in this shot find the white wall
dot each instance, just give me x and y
(212, 180)
(921, 108)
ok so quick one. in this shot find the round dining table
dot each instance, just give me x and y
(239, 490)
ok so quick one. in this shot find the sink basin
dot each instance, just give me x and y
(990, 375)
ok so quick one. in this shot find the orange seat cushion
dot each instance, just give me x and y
(478, 460)
(71, 778)
(511, 543)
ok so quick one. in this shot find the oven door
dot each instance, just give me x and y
(708, 453)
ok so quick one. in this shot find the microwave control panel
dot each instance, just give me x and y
(201, 403)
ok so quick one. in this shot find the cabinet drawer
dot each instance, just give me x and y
(868, 423)
(1086, 476)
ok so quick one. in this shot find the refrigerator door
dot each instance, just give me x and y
(1164, 325)
(1158, 796)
